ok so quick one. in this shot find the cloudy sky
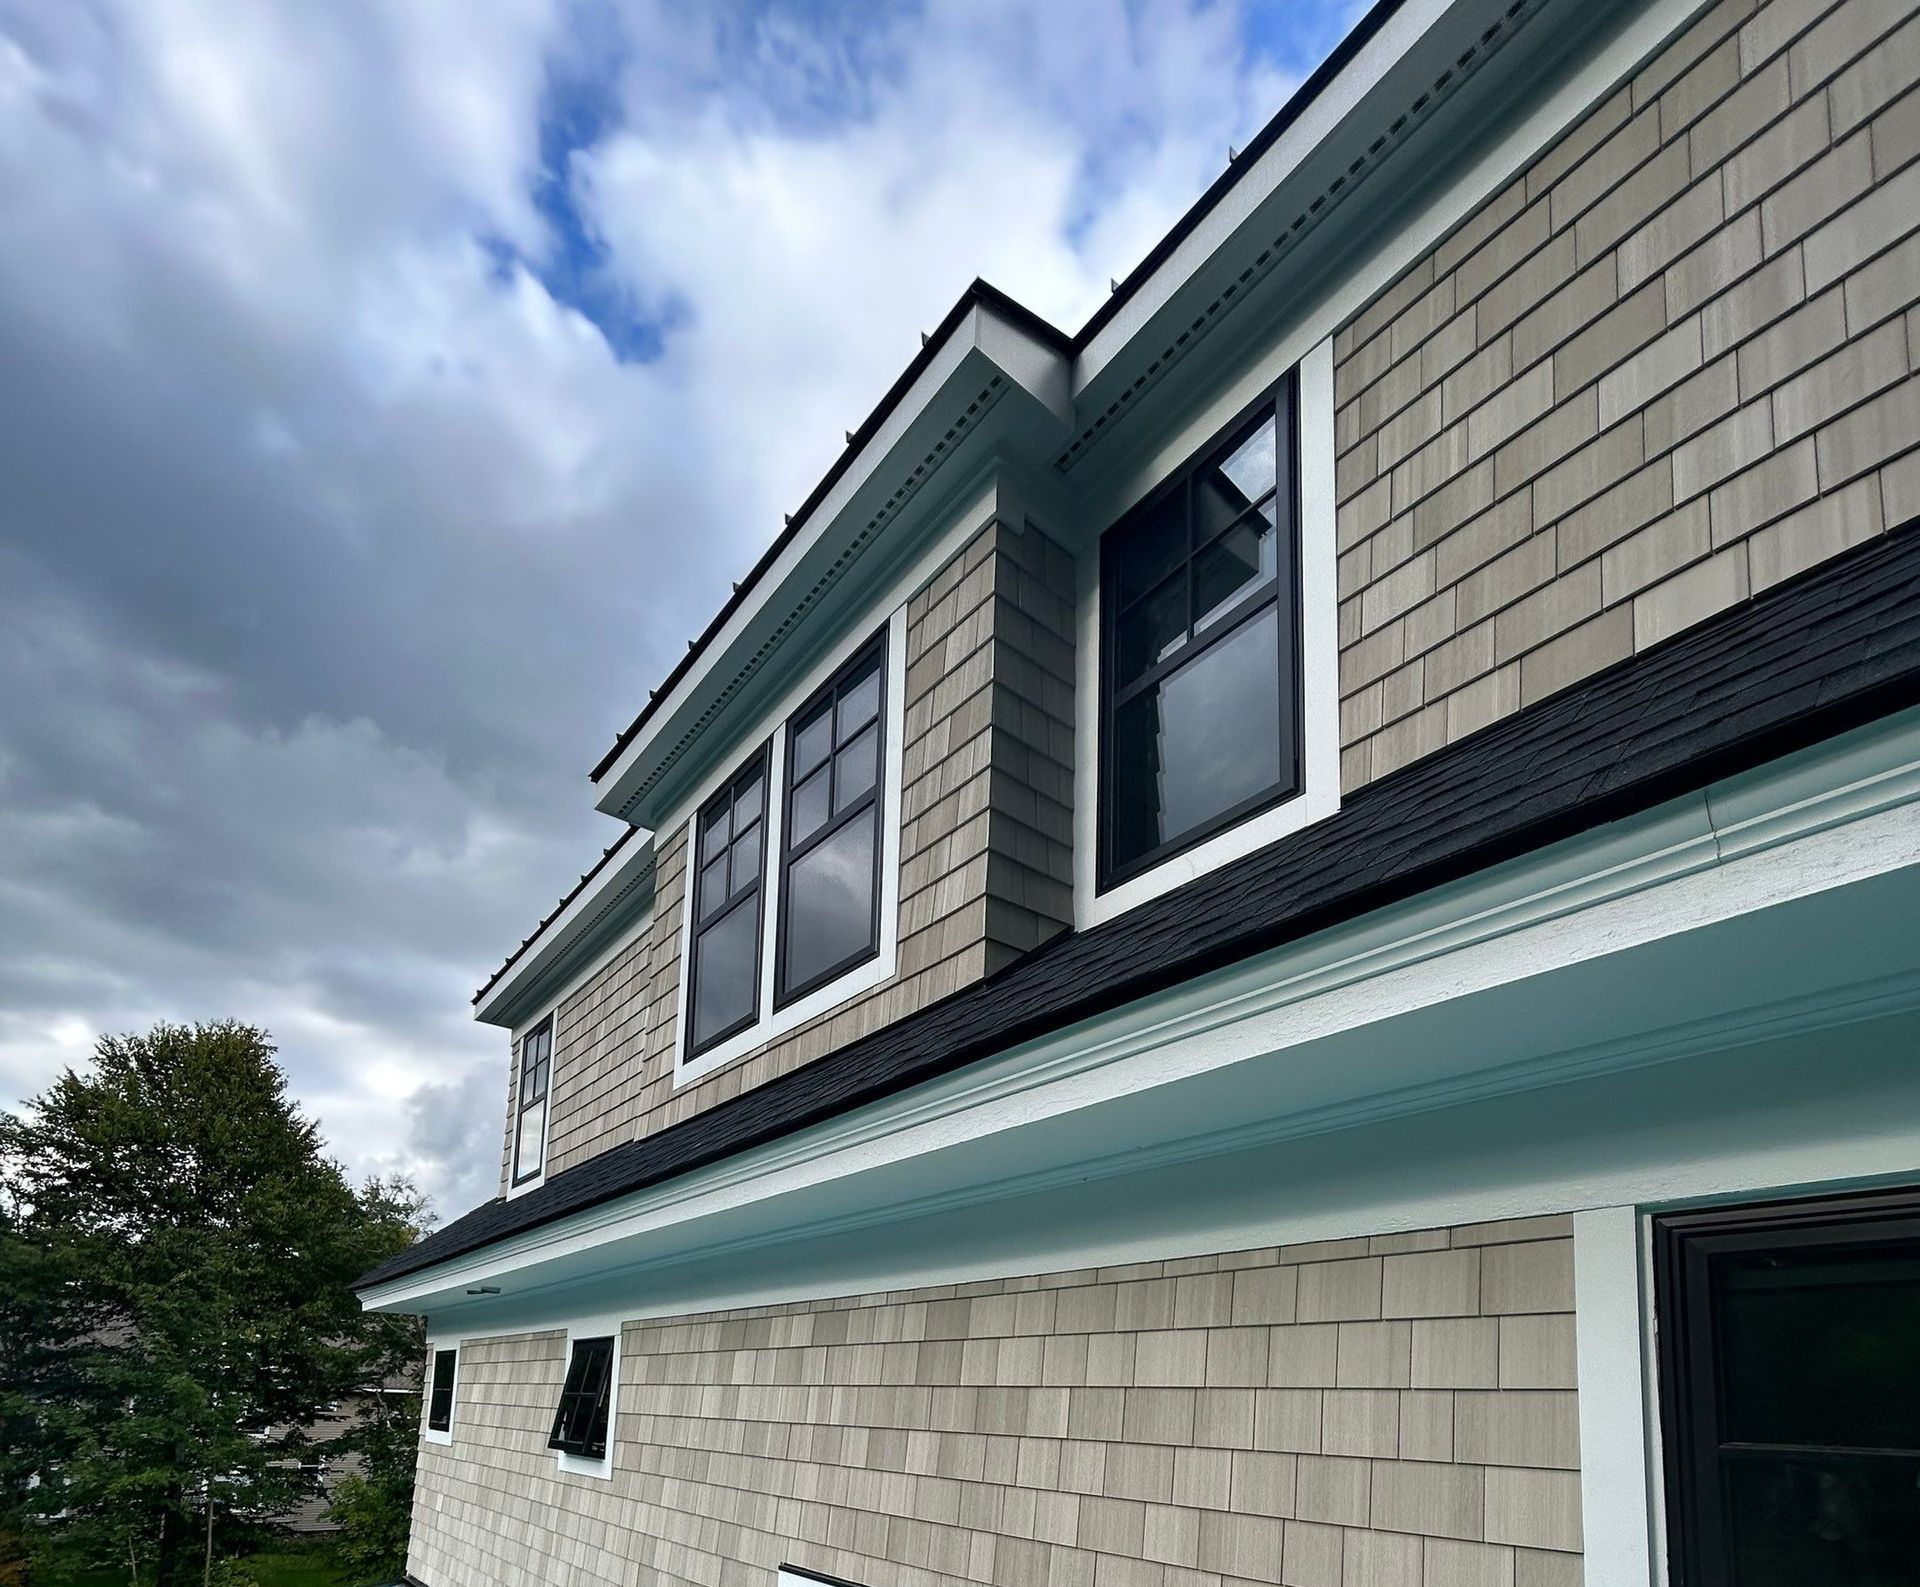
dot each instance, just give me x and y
(390, 388)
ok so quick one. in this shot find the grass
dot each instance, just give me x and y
(281, 1567)
(303, 1568)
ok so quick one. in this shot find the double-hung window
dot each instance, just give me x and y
(784, 890)
(586, 1401)
(1199, 676)
(725, 950)
(440, 1393)
(530, 1112)
(830, 863)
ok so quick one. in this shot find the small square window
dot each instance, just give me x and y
(586, 1401)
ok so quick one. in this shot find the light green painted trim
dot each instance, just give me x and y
(1218, 1020)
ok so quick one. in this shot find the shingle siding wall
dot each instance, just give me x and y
(1671, 364)
(985, 859)
(1397, 1411)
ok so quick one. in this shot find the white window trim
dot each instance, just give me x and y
(550, 1012)
(434, 1435)
(579, 1465)
(1319, 794)
(877, 971)
(794, 1576)
(1619, 1466)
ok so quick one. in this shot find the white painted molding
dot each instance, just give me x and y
(1855, 802)
(1614, 1451)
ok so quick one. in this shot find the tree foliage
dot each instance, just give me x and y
(176, 1253)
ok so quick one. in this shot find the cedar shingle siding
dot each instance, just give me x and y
(986, 856)
(1348, 1411)
(1671, 364)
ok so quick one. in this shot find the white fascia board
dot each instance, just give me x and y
(981, 345)
(1840, 814)
(555, 945)
(1317, 123)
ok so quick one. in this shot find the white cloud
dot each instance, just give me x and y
(334, 545)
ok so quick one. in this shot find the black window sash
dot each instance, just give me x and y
(753, 894)
(1694, 1444)
(1281, 404)
(536, 1062)
(440, 1404)
(827, 697)
(586, 1400)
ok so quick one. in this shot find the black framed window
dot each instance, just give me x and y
(1790, 1392)
(730, 837)
(1199, 675)
(586, 1400)
(440, 1395)
(831, 844)
(530, 1116)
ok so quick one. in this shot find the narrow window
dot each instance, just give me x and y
(730, 835)
(830, 868)
(1790, 1391)
(440, 1398)
(586, 1401)
(530, 1120)
(1199, 677)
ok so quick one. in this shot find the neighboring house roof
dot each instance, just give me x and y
(1827, 652)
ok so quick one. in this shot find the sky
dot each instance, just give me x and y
(389, 389)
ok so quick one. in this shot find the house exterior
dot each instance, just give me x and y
(1279, 940)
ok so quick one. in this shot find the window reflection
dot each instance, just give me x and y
(1198, 624)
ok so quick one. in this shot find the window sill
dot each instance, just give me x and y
(581, 1466)
(863, 978)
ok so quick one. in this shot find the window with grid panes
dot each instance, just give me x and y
(530, 1123)
(724, 994)
(586, 1401)
(1199, 677)
(830, 865)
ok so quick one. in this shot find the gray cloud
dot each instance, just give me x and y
(334, 546)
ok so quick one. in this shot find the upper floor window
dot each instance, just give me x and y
(830, 865)
(1199, 673)
(724, 961)
(530, 1113)
(440, 1395)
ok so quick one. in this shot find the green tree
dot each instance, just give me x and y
(373, 1506)
(176, 1253)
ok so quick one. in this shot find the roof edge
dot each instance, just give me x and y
(587, 879)
(1844, 684)
(980, 294)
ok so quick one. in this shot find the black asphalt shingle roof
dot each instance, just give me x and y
(1829, 651)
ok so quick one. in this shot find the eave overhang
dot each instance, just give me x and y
(1767, 906)
(1417, 96)
(1782, 674)
(990, 382)
(606, 901)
